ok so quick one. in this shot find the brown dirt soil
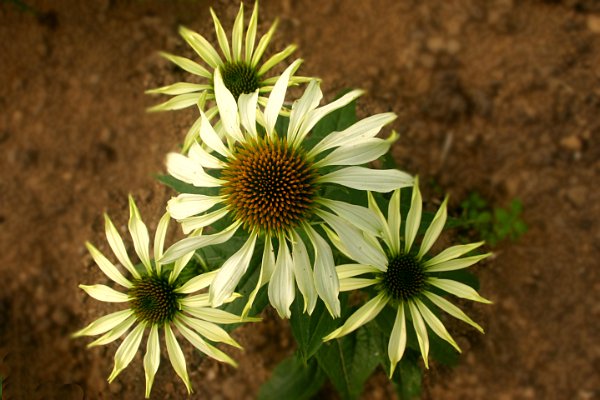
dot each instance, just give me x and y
(499, 96)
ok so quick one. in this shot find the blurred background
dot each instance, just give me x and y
(500, 98)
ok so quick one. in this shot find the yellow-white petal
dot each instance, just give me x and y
(303, 273)
(201, 345)
(187, 170)
(209, 135)
(105, 293)
(201, 46)
(348, 284)
(228, 109)
(435, 324)
(458, 263)
(104, 324)
(326, 281)
(251, 34)
(179, 88)
(357, 154)
(139, 234)
(452, 309)
(451, 253)
(212, 332)
(434, 229)
(413, 219)
(309, 101)
(178, 102)
(376, 180)
(118, 247)
(384, 228)
(421, 331)
(186, 204)
(262, 45)
(397, 343)
(188, 65)
(276, 59)
(281, 286)
(277, 96)
(203, 157)
(266, 270)
(107, 267)
(361, 217)
(221, 36)
(231, 272)
(394, 221)
(197, 283)
(114, 333)
(237, 35)
(458, 289)
(176, 357)
(159, 239)
(218, 316)
(247, 104)
(127, 350)
(152, 358)
(351, 270)
(194, 223)
(360, 317)
(179, 265)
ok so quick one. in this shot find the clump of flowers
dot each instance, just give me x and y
(277, 200)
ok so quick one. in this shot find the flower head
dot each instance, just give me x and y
(240, 67)
(404, 277)
(270, 184)
(156, 300)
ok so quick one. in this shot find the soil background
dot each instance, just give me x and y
(501, 97)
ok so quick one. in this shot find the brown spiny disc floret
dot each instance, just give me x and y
(270, 186)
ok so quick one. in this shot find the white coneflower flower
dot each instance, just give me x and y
(270, 184)
(403, 277)
(240, 67)
(156, 301)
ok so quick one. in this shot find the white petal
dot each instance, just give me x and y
(363, 129)
(104, 324)
(107, 267)
(421, 331)
(159, 239)
(266, 270)
(231, 272)
(221, 36)
(326, 280)
(105, 293)
(126, 351)
(360, 317)
(179, 265)
(139, 234)
(114, 333)
(118, 247)
(452, 309)
(189, 244)
(383, 225)
(455, 264)
(186, 170)
(193, 223)
(197, 283)
(435, 324)
(277, 96)
(357, 154)
(316, 115)
(434, 230)
(210, 137)
(218, 316)
(361, 217)
(203, 157)
(303, 273)
(451, 253)
(152, 358)
(458, 289)
(201, 46)
(176, 356)
(356, 283)
(212, 332)
(228, 109)
(201, 345)
(397, 343)
(186, 205)
(354, 241)
(248, 103)
(251, 33)
(236, 35)
(188, 65)
(413, 219)
(394, 221)
(309, 101)
(362, 178)
(351, 270)
(281, 286)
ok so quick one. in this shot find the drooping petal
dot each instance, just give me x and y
(139, 235)
(281, 286)
(105, 293)
(228, 109)
(397, 343)
(394, 221)
(231, 272)
(458, 289)
(203, 157)
(127, 350)
(248, 103)
(186, 204)
(193, 223)
(452, 309)
(376, 180)
(104, 324)
(189, 244)
(212, 332)
(201, 345)
(435, 324)
(421, 331)
(118, 247)
(451, 253)
(361, 217)
(326, 280)
(176, 357)
(208, 134)
(309, 101)
(266, 270)
(218, 316)
(114, 333)
(277, 96)
(413, 219)
(434, 230)
(360, 317)
(107, 267)
(303, 273)
(458, 263)
(189, 171)
(152, 358)
(201, 46)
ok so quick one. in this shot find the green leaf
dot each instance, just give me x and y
(182, 187)
(292, 379)
(310, 330)
(349, 361)
(407, 378)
